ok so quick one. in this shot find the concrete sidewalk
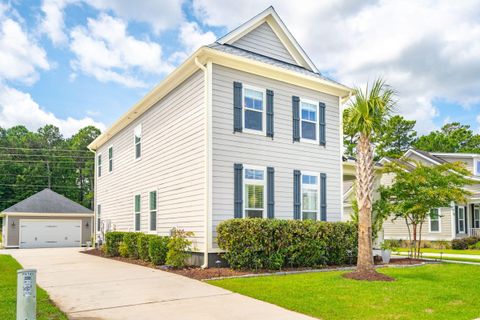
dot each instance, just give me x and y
(89, 287)
(445, 255)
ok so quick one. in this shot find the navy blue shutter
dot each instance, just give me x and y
(238, 193)
(296, 118)
(321, 123)
(269, 113)
(296, 194)
(466, 220)
(270, 193)
(237, 107)
(472, 214)
(323, 197)
(456, 219)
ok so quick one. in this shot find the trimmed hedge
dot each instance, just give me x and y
(142, 245)
(131, 242)
(464, 243)
(112, 242)
(274, 244)
(157, 249)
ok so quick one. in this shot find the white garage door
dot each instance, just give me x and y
(50, 233)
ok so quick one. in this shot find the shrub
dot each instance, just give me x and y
(112, 242)
(475, 246)
(123, 250)
(142, 245)
(130, 240)
(464, 243)
(157, 249)
(273, 244)
(177, 248)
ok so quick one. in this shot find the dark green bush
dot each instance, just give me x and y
(142, 245)
(130, 239)
(464, 243)
(273, 244)
(178, 247)
(112, 242)
(157, 249)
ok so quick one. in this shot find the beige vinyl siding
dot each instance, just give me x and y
(280, 153)
(468, 161)
(14, 231)
(172, 163)
(263, 40)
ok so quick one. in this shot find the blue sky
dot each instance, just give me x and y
(79, 62)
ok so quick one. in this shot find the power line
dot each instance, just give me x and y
(39, 186)
(35, 161)
(45, 155)
(46, 149)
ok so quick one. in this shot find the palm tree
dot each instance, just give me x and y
(364, 117)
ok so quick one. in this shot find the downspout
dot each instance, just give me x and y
(207, 171)
(93, 224)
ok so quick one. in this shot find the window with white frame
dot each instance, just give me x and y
(309, 120)
(461, 220)
(477, 167)
(110, 159)
(137, 204)
(254, 195)
(153, 211)
(253, 109)
(310, 196)
(99, 165)
(476, 217)
(435, 220)
(138, 141)
(99, 212)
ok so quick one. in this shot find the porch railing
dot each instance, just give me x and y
(475, 232)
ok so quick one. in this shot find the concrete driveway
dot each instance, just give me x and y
(89, 287)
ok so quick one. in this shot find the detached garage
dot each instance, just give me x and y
(46, 219)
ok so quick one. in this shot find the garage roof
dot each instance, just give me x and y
(47, 201)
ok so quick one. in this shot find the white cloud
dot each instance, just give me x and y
(426, 50)
(18, 108)
(105, 51)
(161, 15)
(192, 37)
(52, 23)
(20, 55)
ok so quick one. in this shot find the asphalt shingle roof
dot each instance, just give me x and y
(47, 201)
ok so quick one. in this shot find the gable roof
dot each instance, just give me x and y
(425, 155)
(271, 17)
(47, 201)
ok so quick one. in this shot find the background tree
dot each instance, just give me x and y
(452, 137)
(419, 188)
(398, 135)
(364, 117)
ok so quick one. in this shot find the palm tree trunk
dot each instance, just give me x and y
(365, 176)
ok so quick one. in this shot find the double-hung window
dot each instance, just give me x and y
(99, 165)
(461, 220)
(477, 167)
(138, 206)
(254, 109)
(138, 141)
(309, 120)
(110, 159)
(434, 220)
(476, 217)
(153, 211)
(254, 186)
(99, 212)
(310, 196)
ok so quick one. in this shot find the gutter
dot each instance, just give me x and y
(207, 171)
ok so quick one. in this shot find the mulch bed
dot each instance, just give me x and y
(369, 276)
(210, 273)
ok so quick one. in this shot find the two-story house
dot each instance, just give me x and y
(444, 224)
(245, 127)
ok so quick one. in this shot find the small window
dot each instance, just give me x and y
(310, 197)
(254, 186)
(309, 118)
(110, 159)
(138, 141)
(476, 217)
(434, 220)
(461, 220)
(253, 109)
(137, 212)
(99, 165)
(153, 211)
(477, 167)
(99, 221)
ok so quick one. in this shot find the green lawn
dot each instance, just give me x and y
(439, 291)
(470, 252)
(46, 310)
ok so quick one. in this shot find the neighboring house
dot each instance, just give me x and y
(448, 223)
(46, 219)
(245, 127)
